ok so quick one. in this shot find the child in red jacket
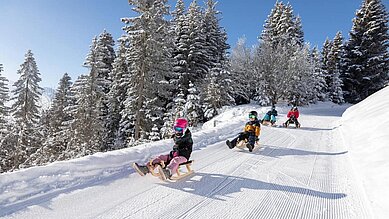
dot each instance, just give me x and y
(293, 115)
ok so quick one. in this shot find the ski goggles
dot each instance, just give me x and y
(178, 129)
(252, 116)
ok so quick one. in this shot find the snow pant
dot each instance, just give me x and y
(173, 163)
(292, 120)
(271, 118)
(244, 136)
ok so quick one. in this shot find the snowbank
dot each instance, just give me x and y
(365, 130)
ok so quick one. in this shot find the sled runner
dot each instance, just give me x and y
(287, 124)
(243, 144)
(268, 123)
(157, 169)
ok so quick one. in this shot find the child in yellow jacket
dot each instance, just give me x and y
(251, 132)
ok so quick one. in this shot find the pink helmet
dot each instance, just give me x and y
(180, 125)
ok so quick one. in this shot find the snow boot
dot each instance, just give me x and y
(250, 147)
(228, 143)
(164, 173)
(232, 144)
(142, 170)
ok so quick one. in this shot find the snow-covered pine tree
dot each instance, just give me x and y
(320, 88)
(179, 105)
(334, 88)
(211, 97)
(282, 26)
(4, 109)
(216, 36)
(216, 50)
(154, 134)
(55, 119)
(192, 106)
(324, 63)
(5, 148)
(280, 40)
(103, 60)
(366, 59)
(117, 95)
(198, 61)
(180, 53)
(93, 102)
(26, 111)
(298, 31)
(83, 131)
(241, 70)
(150, 66)
(215, 95)
(270, 32)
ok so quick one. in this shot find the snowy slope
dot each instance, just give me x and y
(365, 129)
(296, 173)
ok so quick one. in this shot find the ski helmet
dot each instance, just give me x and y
(180, 125)
(273, 107)
(294, 108)
(253, 114)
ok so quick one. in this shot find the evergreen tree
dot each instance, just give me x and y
(335, 93)
(180, 26)
(4, 109)
(192, 106)
(366, 59)
(154, 134)
(216, 50)
(101, 61)
(179, 105)
(83, 130)
(55, 121)
(280, 41)
(269, 33)
(282, 26)
(320, 88)
(198, 62)
(149, 59)
(26, 111)
(324, 63)
(5, 147)
(117, 95)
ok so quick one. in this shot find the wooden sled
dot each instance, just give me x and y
(285, 125)
(268, 123)
(179, 174)
(243, 144)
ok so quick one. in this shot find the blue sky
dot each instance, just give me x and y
(59, 33)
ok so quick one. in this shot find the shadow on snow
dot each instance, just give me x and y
(220, 187)
(273, 151)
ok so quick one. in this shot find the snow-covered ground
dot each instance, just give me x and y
(365, 130)
(333, 167)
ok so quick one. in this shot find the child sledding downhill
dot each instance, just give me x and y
(292, 115)
(168, 164)
(270, 117)
(250, 134)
